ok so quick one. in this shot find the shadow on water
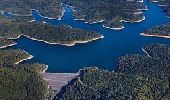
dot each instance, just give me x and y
(102, 53)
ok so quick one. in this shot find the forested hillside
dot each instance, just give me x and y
(160, 30)
(5, 42)
(137, 77)
(48, 8)
(112, 12)
(21, 82)
(60, 34)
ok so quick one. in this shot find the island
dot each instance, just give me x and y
(109, 12)
(137, 77)
(6, 43)
(164, 4)
(162, 31)
(47, 8)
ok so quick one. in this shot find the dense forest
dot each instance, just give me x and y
(12, 56)
(21, 18)
(22, 82)
(57, 34)
(113, 12)
(48, 8)
(5, 42)
(137, 77)
(9, 28)
(162, 30)
(61, 34)
(164, 4)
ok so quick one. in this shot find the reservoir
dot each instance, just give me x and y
(102, 53)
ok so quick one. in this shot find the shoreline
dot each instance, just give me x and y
(159, 36)
(72, 44)
(28, 58)
(17, 15)
(2, 47)
(157, 2)
(49, 18)
(114, 28)
(44, 71)
(145, 52)
(69, 45)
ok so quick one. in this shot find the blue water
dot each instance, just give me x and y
(102, 53)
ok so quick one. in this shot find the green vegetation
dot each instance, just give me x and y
(5, 42)
(57, 34)
(18, 83)
(161, 30)
(21, 81)
(158, 65)
(108, 10)
(115, 23)
(11, 57)
(137, 77)
(158, 50)
(96, 84)
(62, 34)
(21, 18)
(33, 66)
(164, 4)
(9, 28)
(48, 8)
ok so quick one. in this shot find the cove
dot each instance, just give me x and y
(102, 53)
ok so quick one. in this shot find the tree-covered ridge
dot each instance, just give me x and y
(164, 4)
(156, 65)
(21, 18)
(48, 8)
(96, 84)
(9, 28)
(137, 77)
(160, 30)
(161, 51)
(4, 42)
(33, 66)
(62, 34)
(144, 66)
(112, 12)
(12, 56)
(57, 34)
(22, 83)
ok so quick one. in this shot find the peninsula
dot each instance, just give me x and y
(60, 34)
(162, 31)
(48, 8)
(13, 56)
(109, 12)
(63, 34)
(6, 43)
(16, 17)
